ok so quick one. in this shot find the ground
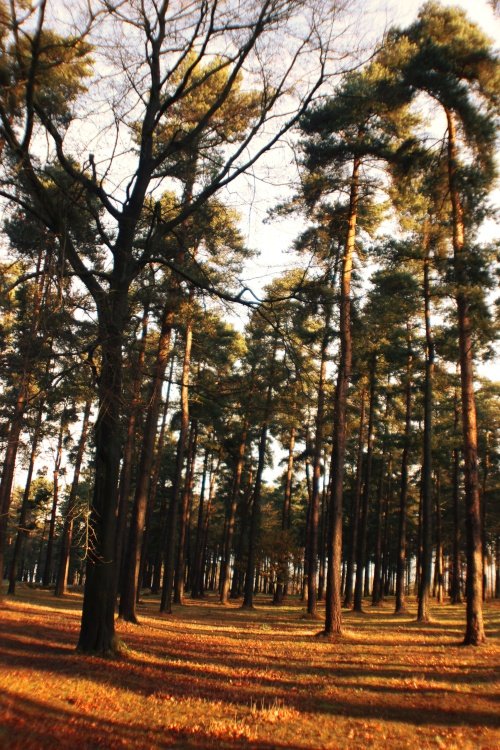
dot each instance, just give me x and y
(222, 677)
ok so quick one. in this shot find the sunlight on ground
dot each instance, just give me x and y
(222, 677)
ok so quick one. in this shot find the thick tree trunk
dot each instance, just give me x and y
(67, 535)
(333, 613)
(474, 633)
(97, 633)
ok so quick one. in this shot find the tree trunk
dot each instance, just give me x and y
(363, 527)
(129, 597)
(187, 494)
(23, 514)
(351, 558)
(474, 633)
(173, 512)
(400, 606)
(312, 550)
(67, 535)
(279, 593)
(255, 516)
(333, 614)
(47, 573)
(97, 633)
(231, 520)
(22, 390)
(423, 614)
(128, 451)
(456, 592)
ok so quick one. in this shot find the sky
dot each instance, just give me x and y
(257, 196)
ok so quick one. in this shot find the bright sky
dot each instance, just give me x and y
(272, 240)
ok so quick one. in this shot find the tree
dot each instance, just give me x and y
(449, 58)
(45, 77)
(354, 125)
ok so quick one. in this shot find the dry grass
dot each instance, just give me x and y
(210, 676)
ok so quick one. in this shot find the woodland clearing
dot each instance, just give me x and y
(224, 677)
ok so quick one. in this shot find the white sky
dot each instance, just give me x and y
(254, 199)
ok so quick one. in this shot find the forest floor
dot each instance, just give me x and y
(222, 677)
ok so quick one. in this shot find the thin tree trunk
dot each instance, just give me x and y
(474, 633)
(23, 514)
(129, 592)
(47, 573)
(180, 567)
(255, 516)
(333, 614)
(197, 570)
(456, 592)
(363, 527)
(67, 535)
(423, 614)
(348, 594)
(22, 390)
(281, 585)
(312, 550)
(168, 579)
(400, 605)
(231, 520)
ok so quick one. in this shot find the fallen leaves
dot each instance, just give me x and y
(217, 677)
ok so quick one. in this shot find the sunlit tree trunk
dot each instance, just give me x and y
(348, 595)
(474, 633)
(363, 525)
(333, 614)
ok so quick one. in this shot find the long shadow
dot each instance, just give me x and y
(38, 725)
(178, 679)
